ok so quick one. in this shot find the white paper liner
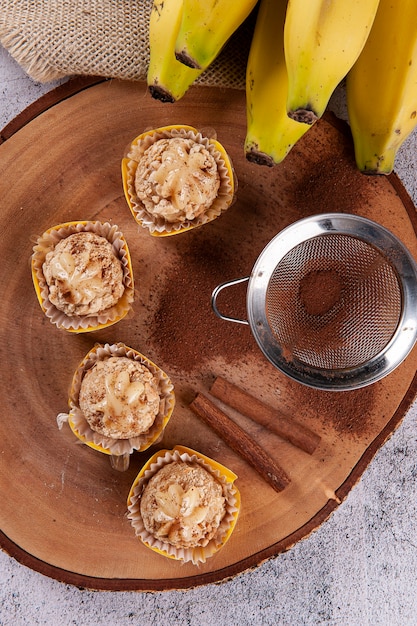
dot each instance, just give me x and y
(201, 553)
(80, 323)
(111, 446)
(225, 196)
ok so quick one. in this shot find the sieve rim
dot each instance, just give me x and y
(391, 249)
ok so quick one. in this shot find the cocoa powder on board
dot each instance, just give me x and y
(348, 412)
(187, 331)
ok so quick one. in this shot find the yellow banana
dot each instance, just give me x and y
(270, 132)
(167, 79)
(381, 88)
(205, 28)
(322, 40)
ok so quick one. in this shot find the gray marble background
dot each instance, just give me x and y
(357, 569)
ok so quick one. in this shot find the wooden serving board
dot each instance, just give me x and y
(63, 509)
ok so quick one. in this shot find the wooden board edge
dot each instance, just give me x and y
(73, 86)
(220, 576)
(379, 441)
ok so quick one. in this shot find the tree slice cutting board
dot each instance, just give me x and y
(63, 509)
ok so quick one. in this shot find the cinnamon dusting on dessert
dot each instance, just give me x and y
(119, 397)
(83, 275)
(177, 179)
(183, 505)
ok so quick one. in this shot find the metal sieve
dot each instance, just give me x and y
(332, 301)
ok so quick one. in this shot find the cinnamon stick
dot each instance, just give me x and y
(237, 439)
(263, 414)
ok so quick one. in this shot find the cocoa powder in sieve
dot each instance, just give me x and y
(319, 291)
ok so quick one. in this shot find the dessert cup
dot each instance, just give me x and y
(72, 321)
(181, 181)
(184, 513)
(119, 449)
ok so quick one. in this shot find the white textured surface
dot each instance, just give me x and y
(358, 569)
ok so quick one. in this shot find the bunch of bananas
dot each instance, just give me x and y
(299, 53)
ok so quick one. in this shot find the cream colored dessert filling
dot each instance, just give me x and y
(119, 398)
(177, 179)
(183, 505)
(83, 275)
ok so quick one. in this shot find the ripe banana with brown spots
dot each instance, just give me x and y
(270, 133)
(381, 88)
(168, 79)
(322, 40)
(205, 28)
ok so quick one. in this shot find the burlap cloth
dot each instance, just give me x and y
(52, 39)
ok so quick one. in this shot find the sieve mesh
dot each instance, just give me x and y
(333, 302)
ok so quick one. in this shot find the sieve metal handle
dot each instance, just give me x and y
(216, 292)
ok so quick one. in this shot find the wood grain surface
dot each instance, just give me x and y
(63, 509)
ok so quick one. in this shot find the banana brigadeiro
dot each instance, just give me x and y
(176, 179)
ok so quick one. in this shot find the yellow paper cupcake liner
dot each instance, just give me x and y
(225, 197)
(82, 323)
(226, 478)
(120, 448)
